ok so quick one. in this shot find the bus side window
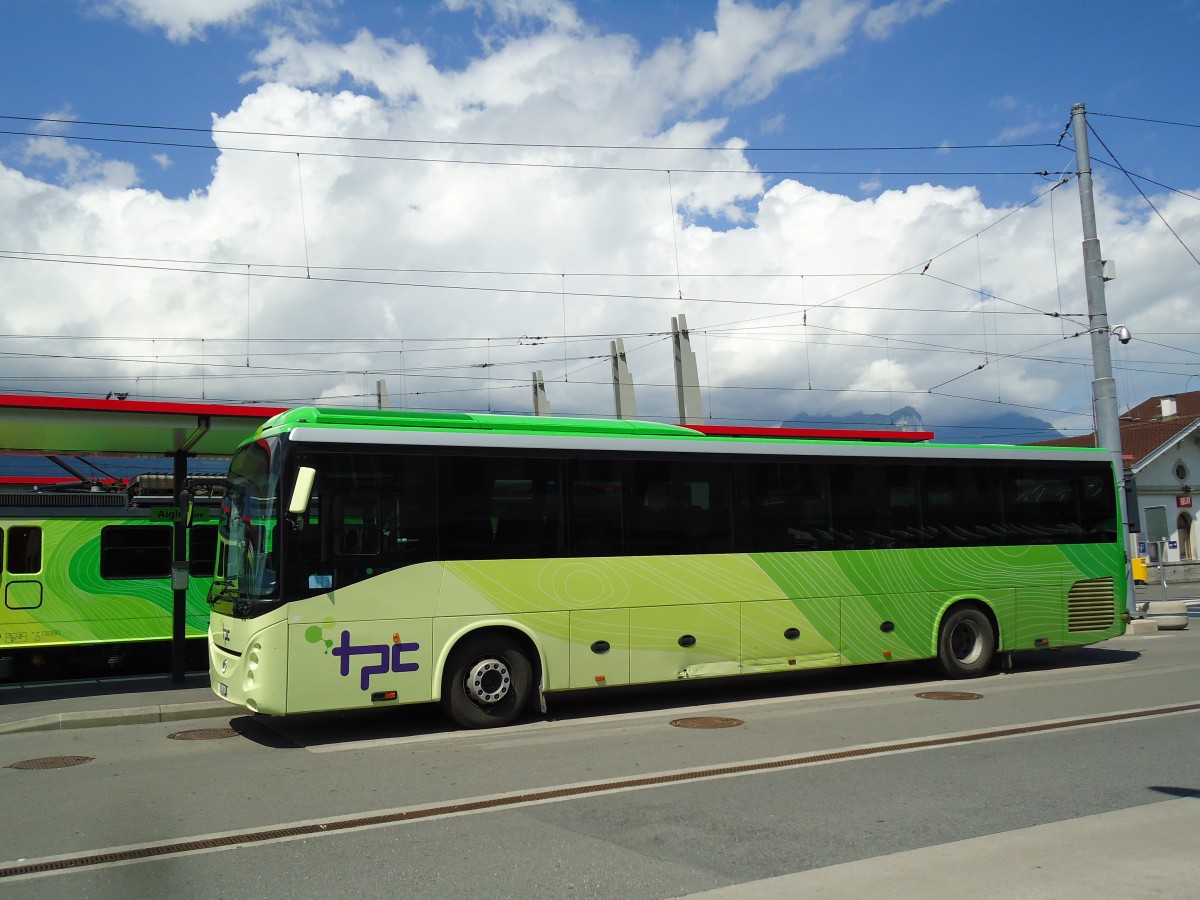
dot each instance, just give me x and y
(681, 507)
(499, 507)
(595, 507)
(1098, 502)
(464, 498)
(785, 506)
(24, 550)
(962, 506)
(526, 508)
(356, 524)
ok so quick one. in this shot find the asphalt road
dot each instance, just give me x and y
(1073, 775)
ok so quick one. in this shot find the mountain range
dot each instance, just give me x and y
(1005, 428)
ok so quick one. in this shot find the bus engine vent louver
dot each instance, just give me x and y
(1091, 605)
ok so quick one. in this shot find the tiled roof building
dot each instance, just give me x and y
(1160, 438)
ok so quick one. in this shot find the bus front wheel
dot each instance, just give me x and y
(488, 681)
(966, 643)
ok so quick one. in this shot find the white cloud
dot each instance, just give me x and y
(882, 21)
(773, 125)
(556, 13)
(182, 20)
(870, 186)
(752, 48)
(1017, 133)
(799, 299)
(78, 164)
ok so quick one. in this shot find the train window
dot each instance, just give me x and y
(135, 551)
(24, 550)
(202, 547)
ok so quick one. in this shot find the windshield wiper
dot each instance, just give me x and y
(223, 590)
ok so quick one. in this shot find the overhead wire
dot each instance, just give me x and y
(1149, 202)
(1028, 310)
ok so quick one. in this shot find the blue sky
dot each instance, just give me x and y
(770, 266)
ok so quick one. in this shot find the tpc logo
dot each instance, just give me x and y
(388, 656)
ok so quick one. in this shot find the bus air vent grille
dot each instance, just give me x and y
(1091, 605)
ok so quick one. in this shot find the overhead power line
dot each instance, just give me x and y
(526, 164)
(517, 144)
(1141, 119)
(201, 268)
(1149, 202)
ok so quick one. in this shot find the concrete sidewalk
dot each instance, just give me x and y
(91, 703)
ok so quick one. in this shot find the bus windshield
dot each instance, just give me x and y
(248, 536)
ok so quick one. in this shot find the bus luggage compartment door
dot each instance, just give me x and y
(599, 647)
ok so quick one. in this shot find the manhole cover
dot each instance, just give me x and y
(707, 722)
(949, 695)
(203, 734)
(51, 762)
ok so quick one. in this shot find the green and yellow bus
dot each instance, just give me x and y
(483, 561)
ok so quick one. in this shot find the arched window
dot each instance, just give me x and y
(1183, 527)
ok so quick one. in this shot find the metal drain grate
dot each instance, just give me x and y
(203, 734)
(51, 762)
(707, 722)
(949, 695)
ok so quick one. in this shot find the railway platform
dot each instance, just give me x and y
(90, 703)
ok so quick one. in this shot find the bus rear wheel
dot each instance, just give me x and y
(487, 683)
(966, 643)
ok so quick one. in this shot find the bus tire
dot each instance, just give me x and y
(966, 643)
(488, 681)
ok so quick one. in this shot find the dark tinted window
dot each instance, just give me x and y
(202, 550)
(24, 549)
(1057, 505)
(492, 508)
(786, 506)
(135, 551)
(366, 508)
(963, 505)
(680, 506)
(877, 507)
(596, 504)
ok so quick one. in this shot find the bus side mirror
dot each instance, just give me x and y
(302, 491)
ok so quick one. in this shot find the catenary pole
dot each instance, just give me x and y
(1104, 385)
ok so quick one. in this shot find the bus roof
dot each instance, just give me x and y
(415, 420)
(350, 426)
(815, 434)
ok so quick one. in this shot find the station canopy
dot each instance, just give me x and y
(73, 426)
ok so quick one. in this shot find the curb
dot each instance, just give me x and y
(134, 715)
